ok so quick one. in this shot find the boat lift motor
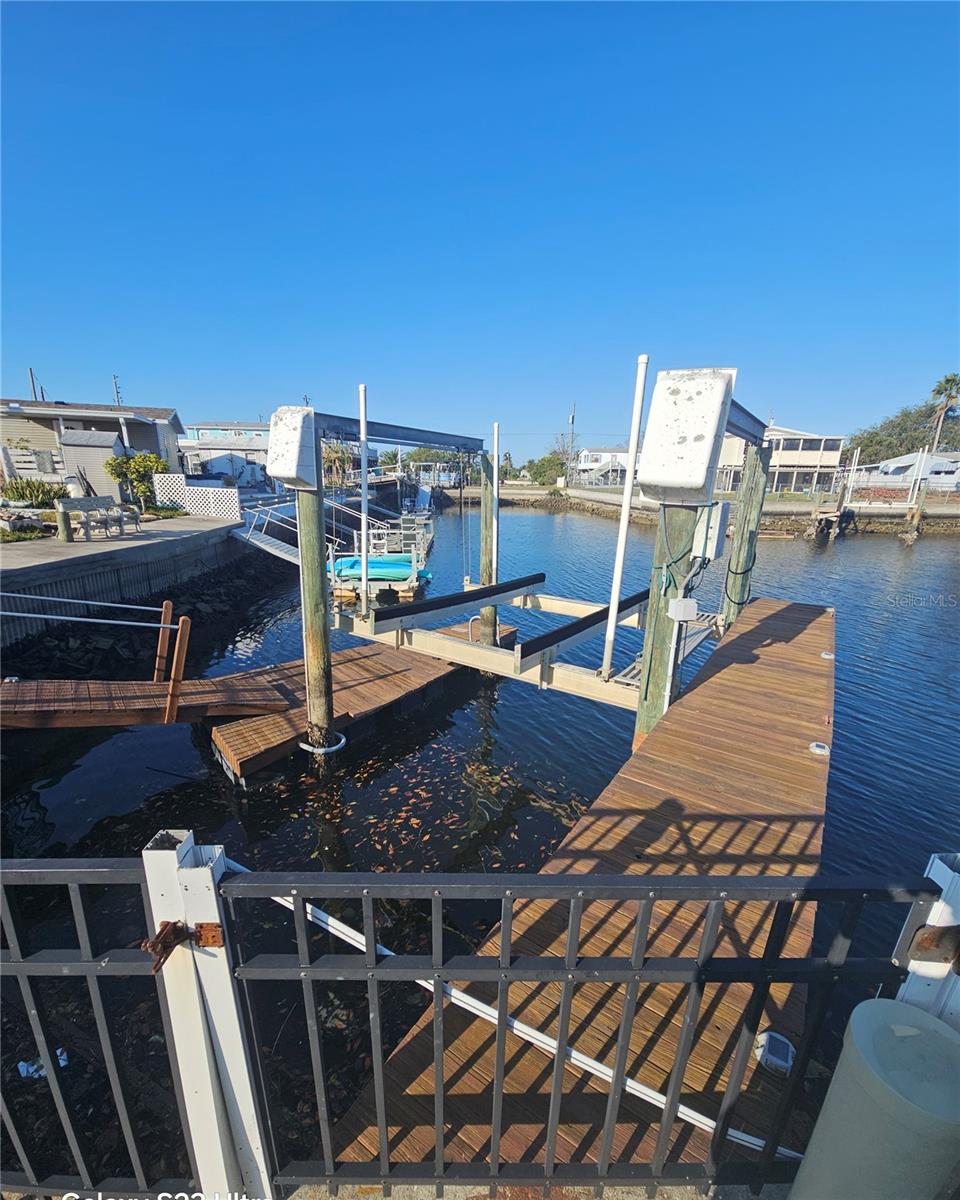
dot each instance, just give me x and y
(291, 451)
(681, 446)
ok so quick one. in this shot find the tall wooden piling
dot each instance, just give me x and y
(743, 551)
(488, 615)
(315, 605)
(671, 564)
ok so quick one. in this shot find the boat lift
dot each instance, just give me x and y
(690, 412)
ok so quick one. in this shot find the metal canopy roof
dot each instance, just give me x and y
(328, 425)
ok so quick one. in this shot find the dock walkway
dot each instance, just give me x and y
(366, 680)
(72, 703)
(726, 783)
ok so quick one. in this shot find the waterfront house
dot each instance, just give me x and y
(227, 449)
(602, 464)
(32, 434)
(799, 461)
(941, 471)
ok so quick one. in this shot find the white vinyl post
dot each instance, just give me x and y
(364, 502)
(625, 505)
(210, 1046)
(192, 1054)
(935, 986)
(496, 502)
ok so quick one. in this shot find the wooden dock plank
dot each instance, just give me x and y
(76, 703)
(366, 679)
(725, 784)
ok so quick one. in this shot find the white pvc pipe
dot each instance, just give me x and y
(625, 504)
(496, 502)
(526, 1032)
(364, 502)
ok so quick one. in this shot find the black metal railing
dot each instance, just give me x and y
(58, 897)
(763, 1159)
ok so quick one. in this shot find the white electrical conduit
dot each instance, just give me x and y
(526, 1032)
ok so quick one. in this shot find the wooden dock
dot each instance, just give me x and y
(366, 680)
(725, 784)
(74, 703)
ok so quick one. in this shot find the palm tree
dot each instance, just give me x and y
(947, 395)
(337, 460)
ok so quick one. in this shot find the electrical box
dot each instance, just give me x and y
(291, 451)
(685, 427)
(709, 539)
(682, 608)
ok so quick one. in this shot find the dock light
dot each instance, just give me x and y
(291, 451)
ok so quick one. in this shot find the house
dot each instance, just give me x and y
(602, 464)
(234, 449)
(940, 471)
(32, 436)
(799, 461)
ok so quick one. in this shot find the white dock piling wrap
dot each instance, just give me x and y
(624, 527)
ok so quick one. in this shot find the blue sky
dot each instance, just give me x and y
(481, 211)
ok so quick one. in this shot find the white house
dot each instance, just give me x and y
(602, 464)
(940, 471)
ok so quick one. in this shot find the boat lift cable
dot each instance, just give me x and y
(527, 1033)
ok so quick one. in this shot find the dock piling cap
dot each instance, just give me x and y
(909, 1062)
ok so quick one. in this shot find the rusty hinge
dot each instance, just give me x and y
(208, 934)
(936, 943)
(171, 934)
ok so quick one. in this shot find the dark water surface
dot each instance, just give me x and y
(491, 778)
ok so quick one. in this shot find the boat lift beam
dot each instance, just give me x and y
(336, 428)
(417, 614)
(400, 626)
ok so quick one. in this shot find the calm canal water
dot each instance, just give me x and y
(491, 778)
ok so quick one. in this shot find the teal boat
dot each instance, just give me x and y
(386, 566)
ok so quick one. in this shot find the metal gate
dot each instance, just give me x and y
(203, 917)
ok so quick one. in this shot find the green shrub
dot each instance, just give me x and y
(137, 472)
(34, 491)
(163, 511)
(22, 535)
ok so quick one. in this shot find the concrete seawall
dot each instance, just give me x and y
(794, 516)
(118, 570)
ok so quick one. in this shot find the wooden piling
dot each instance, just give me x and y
(743, 551)
(177, 669)
(488, 615)
(315, 606)
(671, 563)
(163, 642)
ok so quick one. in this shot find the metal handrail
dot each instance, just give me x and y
(87, 603)
(87, 620)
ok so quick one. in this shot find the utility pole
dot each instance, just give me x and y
(315, 605)
(116, 391)
(488, 615)
(573, 419)
(743, 551)
(671, 566)
(33, 385)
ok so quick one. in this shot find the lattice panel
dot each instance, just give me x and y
(171, 489)
(220, 503)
